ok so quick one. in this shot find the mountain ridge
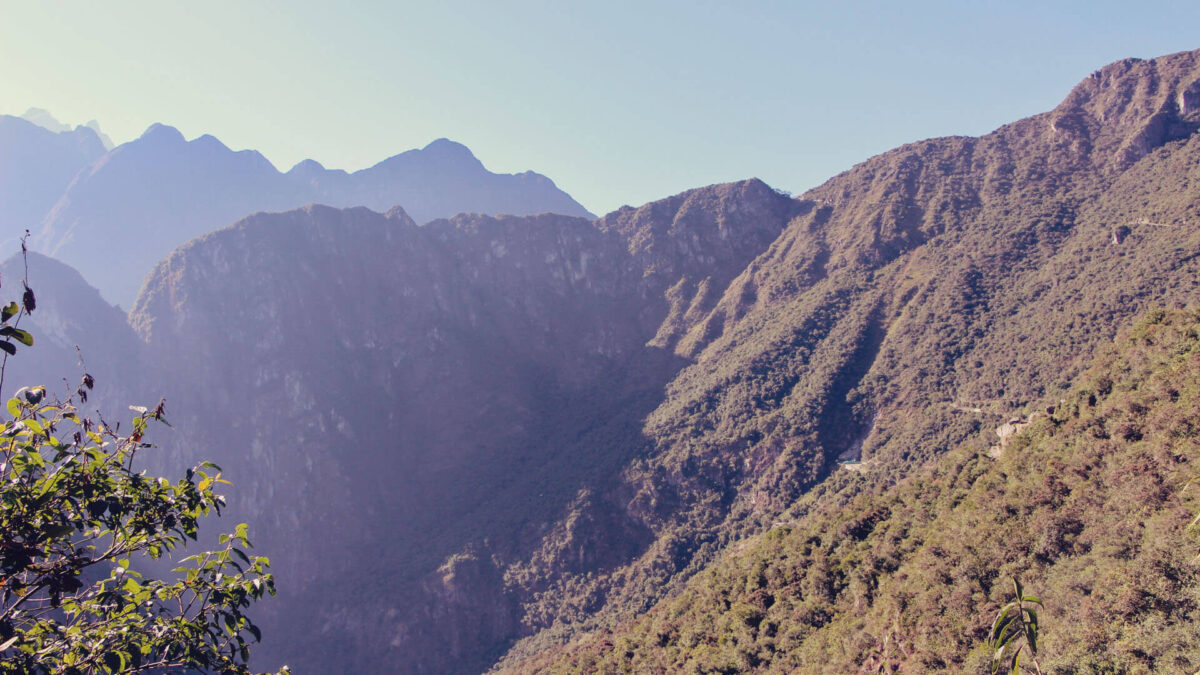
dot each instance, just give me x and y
(908, 577)
(877, 313)
(136, 203)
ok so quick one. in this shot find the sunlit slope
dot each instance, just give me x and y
(1087, 504)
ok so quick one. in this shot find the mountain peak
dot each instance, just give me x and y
(210, 142)
(1130, 107)
(398, 213)
(307, 166)
(446, 148)
(161, 133)
(43, 118)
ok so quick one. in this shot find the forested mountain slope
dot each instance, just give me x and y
(928, 295)
(1088, 503)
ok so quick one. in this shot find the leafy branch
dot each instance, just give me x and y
(1014, 631)
(76, 521)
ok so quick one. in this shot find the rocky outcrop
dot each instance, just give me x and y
(691, 246)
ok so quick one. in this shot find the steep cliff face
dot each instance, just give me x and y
(690, 247)
(422, 400)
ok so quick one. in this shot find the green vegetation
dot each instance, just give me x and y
(1015, 629)
(77, 521)
(1085, 503)
(921, 300)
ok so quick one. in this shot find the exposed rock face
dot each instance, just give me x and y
(402, 380)
(468, 376)
(690, 247)
(153, 194)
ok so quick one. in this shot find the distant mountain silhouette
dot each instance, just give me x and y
(36, 165)
(148, 196)
(437, 181)
(44, 119)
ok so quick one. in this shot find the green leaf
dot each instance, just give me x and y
(112, 662)
(8, 347)
(22, 336)
(14, 407)
(1000, 623)
(9, 311)
(58, 531)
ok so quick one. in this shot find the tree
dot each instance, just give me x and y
(77, 520)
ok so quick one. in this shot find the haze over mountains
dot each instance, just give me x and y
(36, 166)
(113, 215)
(44, 119)
(512, 442)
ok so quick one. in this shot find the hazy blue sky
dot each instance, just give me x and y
(618, 102)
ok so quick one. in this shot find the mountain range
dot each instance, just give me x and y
(724, 431)
(44, 119)
(112, 214)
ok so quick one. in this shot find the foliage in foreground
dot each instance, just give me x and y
(76, 520)
(74, 514)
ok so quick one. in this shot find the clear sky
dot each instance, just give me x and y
(618, 102)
